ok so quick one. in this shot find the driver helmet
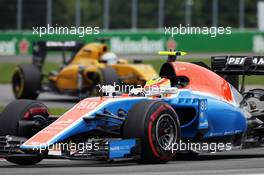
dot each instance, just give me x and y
(109, 58)
(158, 82)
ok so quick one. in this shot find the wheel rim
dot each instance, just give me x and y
(166, 131)
(18, 83)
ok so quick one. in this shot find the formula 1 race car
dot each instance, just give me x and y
(188, 103)
(89, 65)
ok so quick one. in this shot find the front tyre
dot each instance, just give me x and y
(156, 124)
(19, 110)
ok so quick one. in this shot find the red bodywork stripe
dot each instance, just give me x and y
(66, 120)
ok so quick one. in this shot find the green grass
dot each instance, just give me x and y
(7, 69)
(57, 111)
(53, 111)
(50, 67)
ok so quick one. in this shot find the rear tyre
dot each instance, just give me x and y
(26, 82)
(106, 76)
(22, 110)
(110, 76)
(157, 126)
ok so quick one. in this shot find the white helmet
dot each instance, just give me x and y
(109, 58)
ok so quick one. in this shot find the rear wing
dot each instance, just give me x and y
(238, 65)
(41, 48)
(230, 67)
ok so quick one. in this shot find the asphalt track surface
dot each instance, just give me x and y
(236, 162)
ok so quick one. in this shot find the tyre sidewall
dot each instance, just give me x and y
(30, 79)
(153, 149)
(110, 76)
(14, 112)
(10, 117)
(138, 125)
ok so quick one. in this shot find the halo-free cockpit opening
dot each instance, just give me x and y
(167, 71)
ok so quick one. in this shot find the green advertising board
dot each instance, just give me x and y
(143, 42)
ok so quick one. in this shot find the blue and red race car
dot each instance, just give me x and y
(188, 104)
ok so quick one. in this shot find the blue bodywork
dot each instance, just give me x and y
(212, 118)
(120, 148)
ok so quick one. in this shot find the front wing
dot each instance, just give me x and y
(106, 149)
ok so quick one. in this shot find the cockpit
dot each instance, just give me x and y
(167, 71)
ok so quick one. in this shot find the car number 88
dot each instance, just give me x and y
(87, 105)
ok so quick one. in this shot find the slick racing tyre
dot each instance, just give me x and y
(157, 126)
(26, 82)
(15, 112)
(106, 76)
(110, 76)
